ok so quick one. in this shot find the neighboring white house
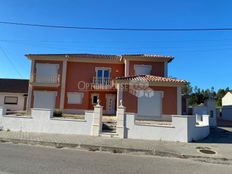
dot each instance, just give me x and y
(207, 108)
(227, 99)
(227, 106)
(13, 94)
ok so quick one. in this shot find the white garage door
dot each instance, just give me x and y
(150, 106)
(44, 99)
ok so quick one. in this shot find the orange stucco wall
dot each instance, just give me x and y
(87, 100)
(80, 77)
(57, 89)
(84, 72)
(157, 67)
(169, 103)
(102, 98)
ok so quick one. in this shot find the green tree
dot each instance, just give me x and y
(220, 94)
(187, 89)
(198, 96)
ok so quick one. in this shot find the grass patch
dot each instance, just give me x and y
(73, 116)
(21, 113)
(59, 113)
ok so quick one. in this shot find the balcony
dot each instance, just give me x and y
(48, 80)
(102, 83)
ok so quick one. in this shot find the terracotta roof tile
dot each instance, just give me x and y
(151, 78)
(146, 55)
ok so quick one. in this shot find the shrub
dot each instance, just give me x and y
(57, 113)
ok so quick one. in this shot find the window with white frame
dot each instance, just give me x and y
(94, 98)
(142, 69)
(10, 100)
(102, 75)
(75, 97)
(47, 73)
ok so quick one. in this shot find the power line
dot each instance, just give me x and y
(10, 61)
(117, 29)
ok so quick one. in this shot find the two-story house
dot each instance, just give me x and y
(74, 83)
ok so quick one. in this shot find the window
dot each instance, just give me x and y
(95, 97)
(75, 97)
(10, 100)
(103, 75)
(47, 73)
(211, 114)
(142, 69)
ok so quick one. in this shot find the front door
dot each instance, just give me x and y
(110, 103)
(44, 99)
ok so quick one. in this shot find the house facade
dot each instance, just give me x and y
(76, 82)
(227, 106)
(13, 94)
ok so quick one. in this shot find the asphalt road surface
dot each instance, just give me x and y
(26, 159)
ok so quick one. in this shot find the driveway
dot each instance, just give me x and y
(221, 134)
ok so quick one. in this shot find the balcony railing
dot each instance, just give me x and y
(45, 80)
(102, 83)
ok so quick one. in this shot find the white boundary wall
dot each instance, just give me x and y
(205, 109)
(183, 129)
(41, 121)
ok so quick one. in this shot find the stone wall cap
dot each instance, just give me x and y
(184, 116)
(42, 109)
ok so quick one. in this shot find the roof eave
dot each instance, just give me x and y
(150, 58)
(153, 83)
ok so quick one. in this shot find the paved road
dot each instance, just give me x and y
(25, 159)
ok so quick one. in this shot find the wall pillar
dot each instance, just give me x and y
(2, 110)
(119, 93)
(120, 128)
(62, 91)
(97, 120)
(179, 101)
(32, 78)
(126, 68)
(165, 69)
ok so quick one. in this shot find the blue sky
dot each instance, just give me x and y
(203, 58)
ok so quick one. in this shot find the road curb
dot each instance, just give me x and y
(102, 148)
(82, 146)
